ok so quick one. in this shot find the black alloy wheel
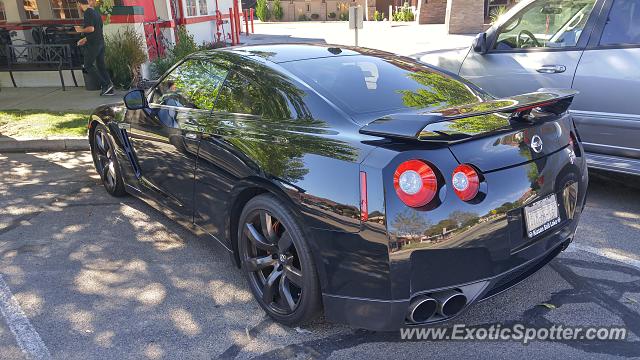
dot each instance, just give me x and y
(105, 161)
(277, 262)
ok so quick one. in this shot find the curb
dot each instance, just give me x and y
(54, 145)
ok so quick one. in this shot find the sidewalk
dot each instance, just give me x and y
(395, 37)
(53, 99)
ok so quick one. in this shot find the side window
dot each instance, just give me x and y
(268, 95)
(194, 84)
(545, 24)
(239, 95)
(623, 24)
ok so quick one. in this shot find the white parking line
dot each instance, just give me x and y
(607, 253)
(26, 336)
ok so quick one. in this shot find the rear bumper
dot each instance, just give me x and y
(390, 315)
(493, 253)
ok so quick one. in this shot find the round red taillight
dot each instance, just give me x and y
(466, 182)
(415, 183)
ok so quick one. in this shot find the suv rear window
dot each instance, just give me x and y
(364, 84)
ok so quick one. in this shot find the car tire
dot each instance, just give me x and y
(106, 162)
(265, 229)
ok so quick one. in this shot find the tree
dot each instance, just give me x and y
(440, 227)
(278, 12)
(410, 224)
(463, 218)
(262, 10)
(439, 91)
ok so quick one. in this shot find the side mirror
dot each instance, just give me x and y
(135, 100)
(480, 43)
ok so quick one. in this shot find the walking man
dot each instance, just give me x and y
(93, 44)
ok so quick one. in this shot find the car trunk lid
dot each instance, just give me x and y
(489, 135)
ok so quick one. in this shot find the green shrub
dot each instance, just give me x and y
(332, 15)
(161, 65)
(302, 17)
(344, 16)
(105, 7)
(212, 45)
(404, 14)
(315, 16)
(124, 54)
(278, 12)
(185, 45)
(262, 10)
(378, 16)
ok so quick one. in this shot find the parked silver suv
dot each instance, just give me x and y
(592, 46)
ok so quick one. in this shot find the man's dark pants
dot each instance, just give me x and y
(94, 64)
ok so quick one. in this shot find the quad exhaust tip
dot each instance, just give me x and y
(444, 303)
(450, 302)
(422, 308)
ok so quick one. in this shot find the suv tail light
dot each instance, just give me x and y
(466, 182)
(415, 182)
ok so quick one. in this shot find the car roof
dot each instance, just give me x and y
(280, 53)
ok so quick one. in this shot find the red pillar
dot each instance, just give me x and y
(246, 21)
(236, 11)
(232, 20)
(251, 12)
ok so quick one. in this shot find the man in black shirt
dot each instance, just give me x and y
(93, 44)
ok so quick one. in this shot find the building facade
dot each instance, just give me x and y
(460, 16)
(151, 18)
(26, 21)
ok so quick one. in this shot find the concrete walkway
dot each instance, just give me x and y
(53, 99)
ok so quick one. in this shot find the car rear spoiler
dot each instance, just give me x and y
(411, 125)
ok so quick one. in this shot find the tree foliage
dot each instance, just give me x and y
(185, 45)
(278, 12)
(410, 223)
(266, 117)
(439, 91)
(262, 10)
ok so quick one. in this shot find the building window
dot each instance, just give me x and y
(203, 7)
(308, 7)
(65, 9)
(198, 7)
(492, 6)
(3, 14)
(192, 9)
(31, 9)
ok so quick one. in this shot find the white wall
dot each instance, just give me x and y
(202, 32)
(205, 31)
(114, 28)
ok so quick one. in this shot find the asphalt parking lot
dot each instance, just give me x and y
(84, 275)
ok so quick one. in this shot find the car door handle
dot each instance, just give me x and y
(551, 69)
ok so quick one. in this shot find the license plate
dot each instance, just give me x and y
(542, 215)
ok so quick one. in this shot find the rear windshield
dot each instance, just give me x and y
(364, 84)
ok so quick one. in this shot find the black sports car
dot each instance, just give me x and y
(368, 185)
